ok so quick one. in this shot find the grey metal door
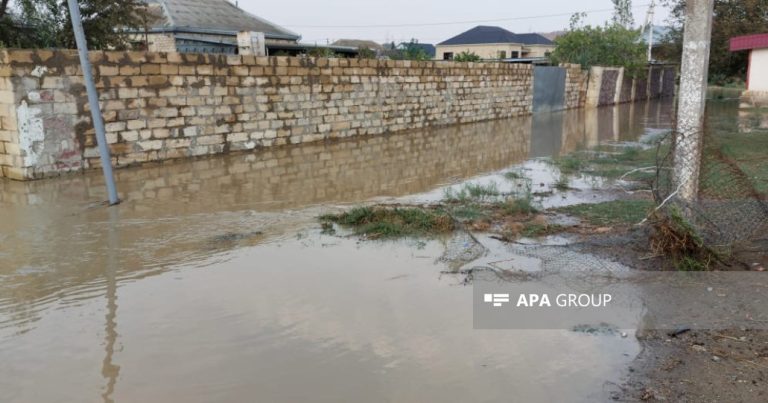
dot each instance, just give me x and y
(548, 89)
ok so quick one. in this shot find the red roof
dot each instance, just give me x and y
(748, 42)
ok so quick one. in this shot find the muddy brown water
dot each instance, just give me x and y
(211, 282)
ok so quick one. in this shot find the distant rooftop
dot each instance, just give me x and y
(358, 43)
(485, 35)
(212, 16)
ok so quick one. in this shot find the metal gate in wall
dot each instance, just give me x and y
(548, 89)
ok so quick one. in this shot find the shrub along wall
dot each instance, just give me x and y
(160, 106)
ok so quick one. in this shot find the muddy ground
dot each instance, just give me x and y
(689, 365)
(699, 366)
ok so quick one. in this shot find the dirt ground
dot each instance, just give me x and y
(696, 365)
(700, 366)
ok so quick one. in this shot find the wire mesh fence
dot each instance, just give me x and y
(731, 204)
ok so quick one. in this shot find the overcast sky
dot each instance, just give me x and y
(322, 20)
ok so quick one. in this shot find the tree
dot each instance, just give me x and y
(622, 14)
(409, 51)
(466, 57)
(609, 45)
(106, 22)
(731, 18)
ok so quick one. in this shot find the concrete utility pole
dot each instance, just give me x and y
(692, 100)
(93, 100)
(649, 26)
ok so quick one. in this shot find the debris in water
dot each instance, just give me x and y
(601, 329)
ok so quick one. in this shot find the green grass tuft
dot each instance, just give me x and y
(389, 223)
(618, 212)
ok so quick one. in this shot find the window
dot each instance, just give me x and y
(515, 54)
(502, 54)
(448, 56)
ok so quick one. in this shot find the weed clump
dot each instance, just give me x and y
(562, 184)
(391, 223)
(514, 175)
(521, 206)
(472, 192)
(570, 164)
(674, 237)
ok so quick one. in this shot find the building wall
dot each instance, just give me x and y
(758, 70)
(487, 52)
(492, 51)
(537, 50)
(161, 42)
(162, 106)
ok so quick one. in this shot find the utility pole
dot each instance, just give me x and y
(649, 26)
(93, 100)
(692, 99)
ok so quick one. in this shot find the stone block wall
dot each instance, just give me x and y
(10, 155)
(162, 106)
(610, 85)
(575, 85)
(279, 178)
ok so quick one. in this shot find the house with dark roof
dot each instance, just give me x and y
(495, 43)
(207, 26)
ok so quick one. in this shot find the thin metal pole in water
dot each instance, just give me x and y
(93, 100)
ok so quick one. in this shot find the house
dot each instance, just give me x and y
(494, 43)
(207, 26)
(757, 70)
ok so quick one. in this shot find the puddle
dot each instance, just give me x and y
(291, 321)
(212, 276)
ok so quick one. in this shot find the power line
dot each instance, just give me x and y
(433, 24)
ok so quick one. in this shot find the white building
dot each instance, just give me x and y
(757, 72)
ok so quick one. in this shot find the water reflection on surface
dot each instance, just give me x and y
(198, 288)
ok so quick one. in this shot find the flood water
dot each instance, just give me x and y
(212, 281)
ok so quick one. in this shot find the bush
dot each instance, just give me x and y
(466, 57)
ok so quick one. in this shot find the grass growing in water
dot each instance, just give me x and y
(611, 213)
(517, 206)
(606, 162)
(472, 192)
(562, 183)
(469, 212)
(391, 223)
(513, 175)
(570, 164)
